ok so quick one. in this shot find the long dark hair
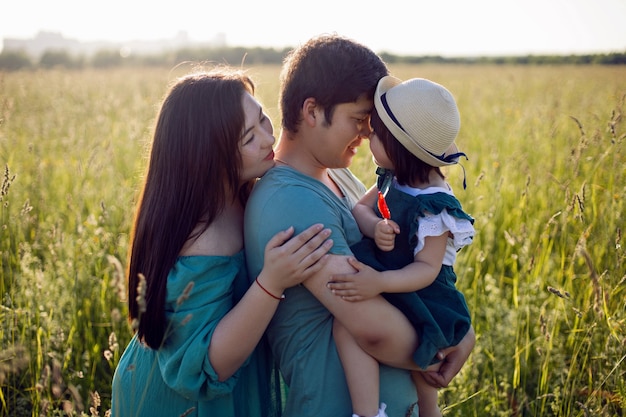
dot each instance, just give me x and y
(407, 167)
(193, 168)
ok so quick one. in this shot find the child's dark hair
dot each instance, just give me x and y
(408, 168)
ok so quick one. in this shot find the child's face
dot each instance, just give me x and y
(378, 152)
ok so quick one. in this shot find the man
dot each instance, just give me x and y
(326, 97)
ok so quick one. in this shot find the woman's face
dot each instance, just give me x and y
(256, 142)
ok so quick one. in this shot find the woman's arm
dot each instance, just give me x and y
(287, 263)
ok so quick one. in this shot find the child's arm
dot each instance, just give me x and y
(367, 282)
(382, 231)
(363, 212)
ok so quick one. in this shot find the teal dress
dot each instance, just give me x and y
(438, 312)
(178, 378)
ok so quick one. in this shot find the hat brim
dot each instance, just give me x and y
(385, 84)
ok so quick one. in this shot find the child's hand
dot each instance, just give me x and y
(358, 286)
(288, 262)
(385, 234)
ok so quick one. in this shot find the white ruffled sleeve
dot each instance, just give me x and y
(462, 232)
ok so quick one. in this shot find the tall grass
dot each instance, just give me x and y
(71, 150)
(545, 278)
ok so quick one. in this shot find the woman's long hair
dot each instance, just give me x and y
(193, 169)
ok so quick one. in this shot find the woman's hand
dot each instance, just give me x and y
(361, 285)
(291, 260)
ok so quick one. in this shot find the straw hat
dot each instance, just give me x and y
(422, 115)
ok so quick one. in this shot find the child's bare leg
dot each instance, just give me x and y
(426, 396)
(362, 373)
(369, 321)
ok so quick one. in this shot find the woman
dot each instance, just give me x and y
(196, 320)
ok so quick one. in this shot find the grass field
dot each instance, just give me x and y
(545, 278)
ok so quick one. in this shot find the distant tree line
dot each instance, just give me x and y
(19, 60)
(597, 59)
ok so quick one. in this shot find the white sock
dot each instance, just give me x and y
(381, 410)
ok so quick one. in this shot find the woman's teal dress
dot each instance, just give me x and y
(178, 378)
(438, 312)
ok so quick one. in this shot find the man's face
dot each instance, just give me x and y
(339, 140)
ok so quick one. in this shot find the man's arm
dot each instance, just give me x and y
(380, 328)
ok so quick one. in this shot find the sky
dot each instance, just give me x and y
(451, 28)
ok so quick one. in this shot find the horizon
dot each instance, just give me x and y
(181, 40)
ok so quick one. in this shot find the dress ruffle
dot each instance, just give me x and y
(437, 213)
(437, 224)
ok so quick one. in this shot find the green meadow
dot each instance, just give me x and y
(545, 278)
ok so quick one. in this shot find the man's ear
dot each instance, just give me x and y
(310, 111)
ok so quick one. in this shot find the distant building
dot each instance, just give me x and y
(44, 41)
(53, 41)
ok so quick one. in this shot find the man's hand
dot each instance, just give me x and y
(455, 358)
